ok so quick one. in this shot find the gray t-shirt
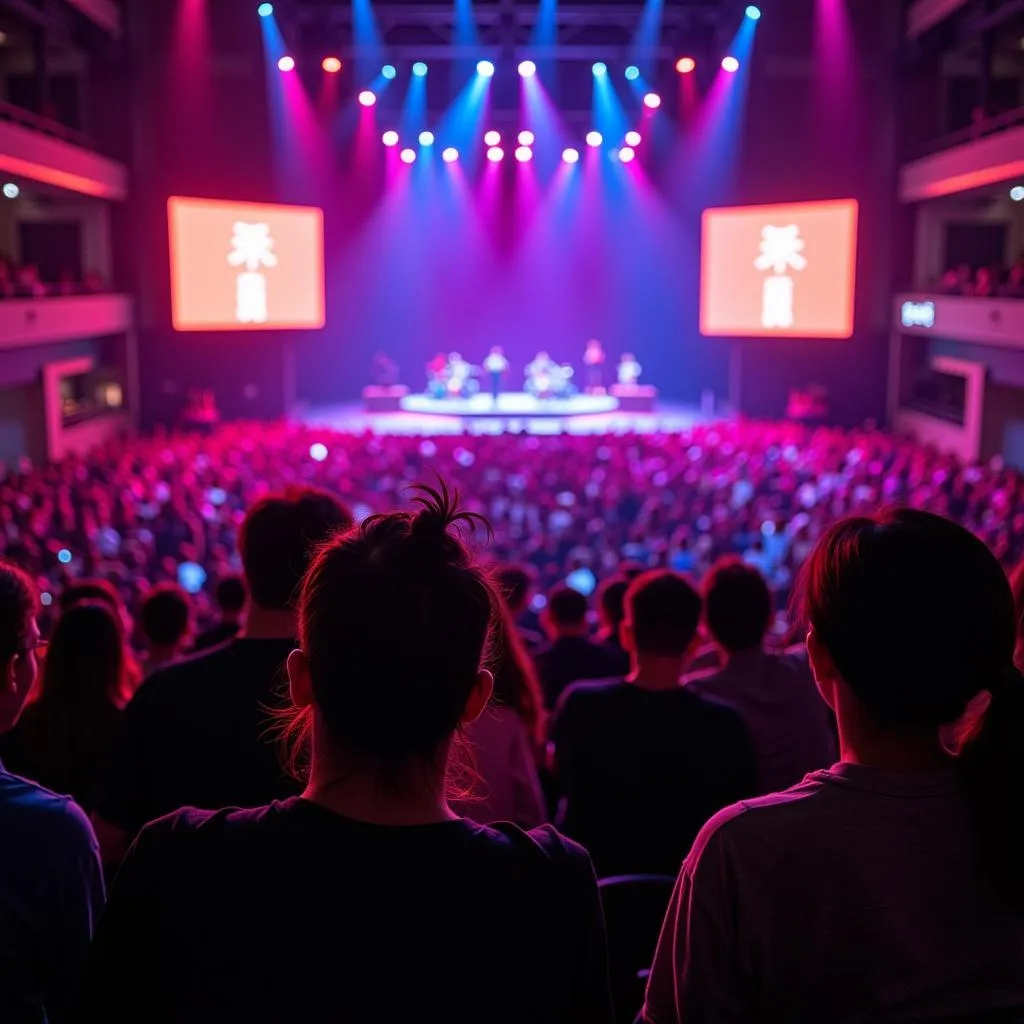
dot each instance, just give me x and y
(851, 897)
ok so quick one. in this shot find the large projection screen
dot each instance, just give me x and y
(779, 271)
(245, 266)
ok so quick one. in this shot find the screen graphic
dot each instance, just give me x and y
(785, 271)
(245, 266)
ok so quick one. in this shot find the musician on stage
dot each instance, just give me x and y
(496, 366)
(629, 370)
(458, 374)
(540, 376)
(593, 360)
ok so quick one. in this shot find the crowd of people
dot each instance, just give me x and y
(345, 745)
(25, 282)
(985, 281)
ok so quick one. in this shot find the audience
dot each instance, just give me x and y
(230, 597)
(643, 761)
(611, 602)
(165, 620)
(25, 282)
(516, 584)
(889, 886)
(774, 693)
(367, 898)
(196, 733)
(571, 655)
(51, 884)
(66, 735)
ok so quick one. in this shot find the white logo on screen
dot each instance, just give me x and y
(781, 250)
(252, 247)
(918, 314)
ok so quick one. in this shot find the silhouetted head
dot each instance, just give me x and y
(662, 615)
(165, 615)
(737, 605)
(19, 639)
(611, 599)
(85, 658)
(515, 583)
(230, 594)
(566, 612)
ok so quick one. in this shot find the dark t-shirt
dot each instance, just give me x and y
(294, 913)
(196, 734)
(642, 771)
(216, 635)
(572, 658)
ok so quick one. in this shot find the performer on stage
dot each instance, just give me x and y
(436, 376)
(593, 359)
(540, 376)
(496, 366)
(458, 374)
(629, 370)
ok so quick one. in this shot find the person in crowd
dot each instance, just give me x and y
(516, 584)
(774, 693)
(643, 762)
(165, 619)
(30, 285)
(340, 905)
(196, 733)
(887, 887)
(51, 882)
(506, 741)
(230, 596)
(611, 603)
(66, 736)
(571, 655)
(8, 284)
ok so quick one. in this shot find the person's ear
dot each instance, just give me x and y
(823, 668)
(626, 636)
(478, 697)
(299, 684)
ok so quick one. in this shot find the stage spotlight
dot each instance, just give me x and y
(652, 101)
(524, 154)
(426, 138)
(570, 156)
(492, 138)
(367, 98)
(265, 10)
(390, 138)
(526, 137)
(527, 69)
(286, 64)
(450, 155)
(685, 65)
(753, 13)
(730, 64)
(419, 69)
(331, 65)
(11, 191)
(388, 71)
(408, 156)
(632, 73)
(633, 139)
(1016, 193)
(495, 154)
(627, 154)
(318, 451)
(594, 139)
(485, 69)
(600, 69)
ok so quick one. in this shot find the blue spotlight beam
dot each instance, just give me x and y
(369, 46)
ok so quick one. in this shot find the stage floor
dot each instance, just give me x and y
(511, 403)
(354, 419)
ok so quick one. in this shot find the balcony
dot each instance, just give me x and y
(104, 13)
(924, 15)
(27, 322)
(41, 150)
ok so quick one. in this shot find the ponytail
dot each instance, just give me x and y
(992, 774)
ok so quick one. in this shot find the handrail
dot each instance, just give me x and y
(990, 126)
(36, 122)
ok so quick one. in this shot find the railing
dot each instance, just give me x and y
(990, 126)
(38, 123)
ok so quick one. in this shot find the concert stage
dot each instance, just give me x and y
(512, 403)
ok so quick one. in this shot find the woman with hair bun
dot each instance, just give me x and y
(888, 888)
(367, 898)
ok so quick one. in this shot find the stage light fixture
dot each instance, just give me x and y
(495, 154)
(594, 139)
(389, 71)
(318, 451)
(527, 69)
(753, 12)
(492, 138)
(627, 154)
(524, 154)
(632, 73)
(11, 191)
(450, 155)
(367, 98)
(526, 137)
(652, 101)
(286, 64)
(730, 64)
(633, 139)
(331, 65)
(408, 156)
(570, 156)
(265, 10)
(600, 69)
(390, 138)
(426, 138)
(485, 69)
(686, 65)
(1016, 193)
(419, 69)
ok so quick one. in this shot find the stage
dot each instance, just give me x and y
(511, 403)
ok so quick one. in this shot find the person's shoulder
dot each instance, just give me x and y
(703, 680)
(31, 809)
(540, 848)
(590, 693)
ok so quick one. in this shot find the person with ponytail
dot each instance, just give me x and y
(889, 887)
(367, 898)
